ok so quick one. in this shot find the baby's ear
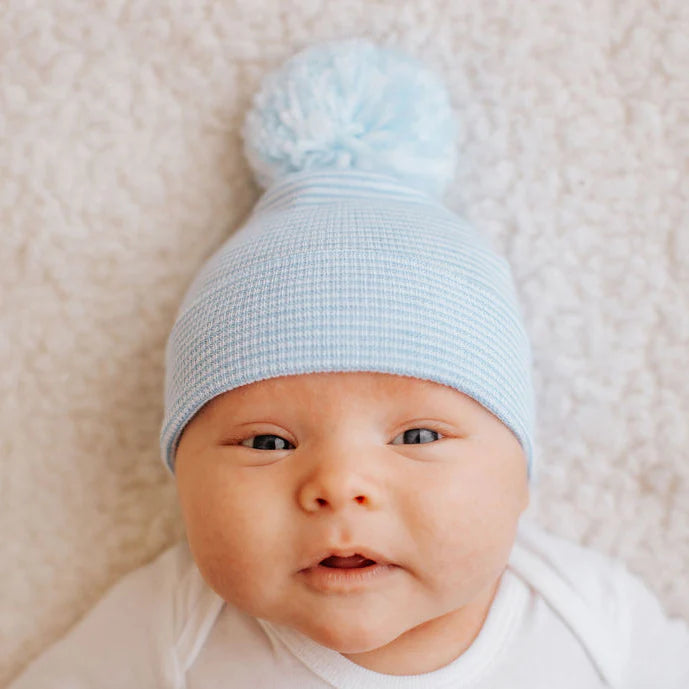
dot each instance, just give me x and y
(526, 492)
(183, 448)
(527, 499)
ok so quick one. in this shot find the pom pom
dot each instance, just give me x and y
(351, 104)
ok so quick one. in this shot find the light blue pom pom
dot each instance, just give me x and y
(353, 104)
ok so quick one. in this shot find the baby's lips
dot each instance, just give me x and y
(334, 554)
(346, 562)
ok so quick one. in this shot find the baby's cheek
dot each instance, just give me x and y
(448, 520)
(243, 540)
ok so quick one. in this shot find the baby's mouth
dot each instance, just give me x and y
(334, 558)
(346, 562)
(338, 574)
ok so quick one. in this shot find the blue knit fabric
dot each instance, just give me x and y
(349, 263)
(332, 273)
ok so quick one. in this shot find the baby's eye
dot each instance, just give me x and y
(415, 435)
(263, 444)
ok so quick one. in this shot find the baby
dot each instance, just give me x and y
(349, 420)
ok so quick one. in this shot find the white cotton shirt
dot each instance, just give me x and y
(563, 616)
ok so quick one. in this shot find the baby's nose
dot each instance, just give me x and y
(337, 488)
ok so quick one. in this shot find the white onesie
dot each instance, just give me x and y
(564, 616)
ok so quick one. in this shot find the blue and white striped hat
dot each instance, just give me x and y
(350, 261)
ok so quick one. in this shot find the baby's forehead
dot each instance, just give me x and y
(340, 389)
(370, 384)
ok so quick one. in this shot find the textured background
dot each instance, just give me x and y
(121, 171)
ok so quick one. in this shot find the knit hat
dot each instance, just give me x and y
(349, 260)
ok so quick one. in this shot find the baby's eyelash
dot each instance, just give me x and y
(241, 441)
(267, 435)
(432, 430)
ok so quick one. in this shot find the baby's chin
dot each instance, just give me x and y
(352, 633)
(352, 639)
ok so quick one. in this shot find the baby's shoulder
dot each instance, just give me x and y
(610, 608)
(181, 593)
(588, 572)
(583, 587)
(135, 635)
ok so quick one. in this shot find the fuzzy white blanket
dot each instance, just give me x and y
(122, 169)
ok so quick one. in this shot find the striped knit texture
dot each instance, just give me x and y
(351, 271)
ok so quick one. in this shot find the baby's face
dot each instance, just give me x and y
(274, 474)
